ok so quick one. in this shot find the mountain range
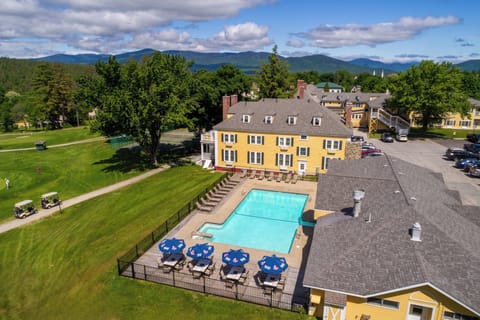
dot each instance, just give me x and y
(250, 61)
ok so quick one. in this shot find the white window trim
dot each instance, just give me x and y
(292, 120)
(325, 162)
(317, 121)
(255, 139)
(465, 123)
(246, 118)
(229, 139)
(268, 119)
(256, 156)
(300, 151)
(229, 156)
(383, 305)
(301, 137)
(334, 144)
(284, 142)
(284, 160)
(356, 116)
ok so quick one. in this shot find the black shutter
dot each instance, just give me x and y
(276, 159)
(222, 136)
(291, 160)
(235, 138)
(324, 144)
(235, 160)
(263, 140)
(292, 141)
(323, 163)
(340, 145)
(277, 141)
(248, 156)
(248, 139)
(223, 156)
(261, 156)
(308, 151)
(298, 151)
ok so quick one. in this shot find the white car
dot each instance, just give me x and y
(401, 137)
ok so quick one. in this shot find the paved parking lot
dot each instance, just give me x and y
(429, 153)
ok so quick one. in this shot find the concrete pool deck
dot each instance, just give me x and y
(299, 249)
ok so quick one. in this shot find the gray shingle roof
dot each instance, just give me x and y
(372, 99)
(352, 256)
(331, 126)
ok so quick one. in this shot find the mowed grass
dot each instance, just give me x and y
(70, 171)
(64, 266)
(27, 139)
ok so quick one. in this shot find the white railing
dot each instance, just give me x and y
(390, 120)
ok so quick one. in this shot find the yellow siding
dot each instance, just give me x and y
(434, 302)
(269, 148)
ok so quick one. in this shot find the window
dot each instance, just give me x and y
(449, 123)
(255, 157)
(285, 141)
(356, 116)
(384, 302)
(229, 138)
(246, 118)
(465, 123)
(447, 315)
(206, 148)
(283, 160)
(229, 155)
(325, 162)
(268, 119)
(317, 121)
(332, 144)
(303, 151)
(304, 137)
(292, 120)
(255, 139)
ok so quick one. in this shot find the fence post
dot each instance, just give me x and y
(133, 270)
(153, 238)
(178, 216)
(118, 267)
(173, 275)
(145, 272)
(204, 287)
(166, 225)
(136, 250)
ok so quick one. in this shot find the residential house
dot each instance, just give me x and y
(330, 87)
(280, 135)
(392, 242)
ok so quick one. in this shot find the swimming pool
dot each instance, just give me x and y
(264, 220)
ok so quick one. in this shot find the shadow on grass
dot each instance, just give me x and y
(132, 158)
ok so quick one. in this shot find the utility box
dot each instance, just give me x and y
(41, 145)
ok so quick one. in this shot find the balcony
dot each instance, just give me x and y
(208, 137)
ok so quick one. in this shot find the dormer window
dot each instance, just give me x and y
(246, 118)
(268, 119)
(291, 120)
(317, 121)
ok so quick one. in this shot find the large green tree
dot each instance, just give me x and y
(429, 90)
(144, 99)
(471, 84)
(273, 77)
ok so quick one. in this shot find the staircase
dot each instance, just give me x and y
(400, 125)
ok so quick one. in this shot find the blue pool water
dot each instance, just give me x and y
(264, 220)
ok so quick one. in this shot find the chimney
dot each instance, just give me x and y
(358, 196)
(301, 89)
(233, 100)
(416, 232)
(225, 105)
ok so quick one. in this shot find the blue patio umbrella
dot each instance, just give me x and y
(273, 264)
(200, 251)
(235, 257)
(172, 245)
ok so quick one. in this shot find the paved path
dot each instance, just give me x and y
(73, 201)
(58, 145)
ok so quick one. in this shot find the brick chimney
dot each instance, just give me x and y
(301, 89)
(233, 100)
(225, 106)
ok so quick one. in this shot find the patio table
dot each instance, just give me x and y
(271, 280)
(201, 266)
(235, 273)
(173, 260)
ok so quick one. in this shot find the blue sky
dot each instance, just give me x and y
(389, 31)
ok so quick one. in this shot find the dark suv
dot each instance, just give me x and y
(473, 137)
(457, 153)
(387, 137)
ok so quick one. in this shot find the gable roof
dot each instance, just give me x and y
(356, 257)
(281, 109)
(374, 99)
(330, 85)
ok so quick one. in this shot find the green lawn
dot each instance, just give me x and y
(71, 171)
(440, 133)
(64, 267)
(27, 139)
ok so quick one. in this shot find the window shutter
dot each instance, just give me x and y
(324, 145)
(298, 151)
(223, 134)
(263, 140)
(340, 145)
(261, 157)
(248, 139)
(223, 154)
(235, 159)
(276, 158)
(290, 161)
(235, 138)
(291, 141)
(277, 141)
(248, 156)
(308, 151)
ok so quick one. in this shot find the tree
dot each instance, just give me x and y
(471, 84)
(371, 83)
(429, 90)
(144, 99)
(273, 77)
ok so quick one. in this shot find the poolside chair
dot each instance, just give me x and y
(281, 284)
(294, 178)
(210, 269)
(253, 173)
(269, 176)
(279, 177)
(244, 173)
(261, 176)
(191, 264)
(202, 207)
(288, 178)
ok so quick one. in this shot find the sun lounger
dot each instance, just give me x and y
(261, 176)
(288, 178)
(269, 176)
(203, 208)
(252, 174)
(279, 177)
(294, 178)
(244, 173)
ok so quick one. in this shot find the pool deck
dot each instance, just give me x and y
(296, 258)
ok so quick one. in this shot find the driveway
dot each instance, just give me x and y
(429, 153)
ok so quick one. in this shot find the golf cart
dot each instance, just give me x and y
(24, 208)
(50, 200)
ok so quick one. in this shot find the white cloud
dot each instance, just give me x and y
(329, 36)
(296, 43)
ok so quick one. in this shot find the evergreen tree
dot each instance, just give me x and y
(273, 77)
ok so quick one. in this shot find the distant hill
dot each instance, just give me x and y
(387, 67)
(470, 65)
(248, 61)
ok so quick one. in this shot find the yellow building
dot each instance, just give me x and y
(279, 135)
(391, 242)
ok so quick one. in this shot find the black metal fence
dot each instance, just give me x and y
(250, 291)
(146, 243)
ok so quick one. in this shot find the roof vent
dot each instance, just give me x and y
(358, 196)
(396, 191)
(416, 232)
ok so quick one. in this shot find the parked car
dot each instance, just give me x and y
(387, 137)
(401, 137)
(473, 147)
(373, 154)
(357, 139)
(457, 153)
(473, 137)
(472, 164)
(460, 164)
(475, 172)
(367, 151)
